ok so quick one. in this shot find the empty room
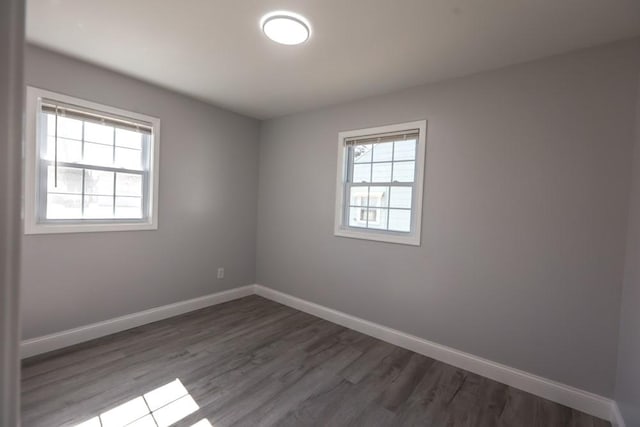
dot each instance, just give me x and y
(320, 213)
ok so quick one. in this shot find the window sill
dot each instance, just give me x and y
(410, 239)
(53, 228)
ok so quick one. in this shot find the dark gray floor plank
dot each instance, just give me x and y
(315, 410)
(375, 415)
(400, 389)
(492, 402)
(164, 338)
(367, 361)
(143, 367)
(68, 356)
(371, 386)
(253, 362)
(432, 395)
(235, 390)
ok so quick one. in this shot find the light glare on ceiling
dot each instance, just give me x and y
(285, 27)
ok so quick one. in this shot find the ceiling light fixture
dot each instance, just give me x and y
(285, 27)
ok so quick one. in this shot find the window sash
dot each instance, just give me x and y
(349, 143)
(43, 193)
(351, 165)
(347, 205)
(42, 182)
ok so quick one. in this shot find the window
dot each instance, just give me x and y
(89, 167)
(379, 183)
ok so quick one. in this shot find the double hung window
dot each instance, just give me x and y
(379, 183)
(90, 167)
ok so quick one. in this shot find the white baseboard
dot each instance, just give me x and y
(616, 416)
(572, 397)
(34, 346)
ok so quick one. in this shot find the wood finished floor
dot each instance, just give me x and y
(253, 362)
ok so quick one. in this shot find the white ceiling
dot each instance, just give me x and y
(214, 49)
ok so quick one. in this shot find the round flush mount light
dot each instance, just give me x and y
(285, 27)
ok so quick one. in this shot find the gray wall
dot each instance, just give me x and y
(524, 221)
(207, 210)
(628, 380)
(11, 95)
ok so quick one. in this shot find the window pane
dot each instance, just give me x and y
(379, 197)
(359, 196)
(368, 214)
(400, 197)
(64, 206)
(68, 128)
(69, 180)
(356, 217)
(98, 183)
(364, 214)
(98, 206)
(128, 158)
(95, 132)
(362, 173)
(404, 171)
(382, 152)
(128, 139)
(405, 150)
(128, 184)
(69, 150)
(362, 153)
(98, 154)
(381, 172)
(129, 207)
(378, 219)
(51, 124)
(400, 220)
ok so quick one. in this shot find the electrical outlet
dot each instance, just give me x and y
(220, 273)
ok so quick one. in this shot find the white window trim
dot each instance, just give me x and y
(340, 229)
(31, 224)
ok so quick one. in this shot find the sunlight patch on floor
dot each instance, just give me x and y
(160, 407)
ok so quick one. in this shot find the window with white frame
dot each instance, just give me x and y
(89, 167)
(379, 183)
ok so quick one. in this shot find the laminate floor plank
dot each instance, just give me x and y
(316, 409)
(371, 386)
(217, 391)
(152, 360)
(362, 366)
(254, 362)
(492, 402)
(121, 340)
(375, 415)
(431, 397)
(143, 368)
(131, 343)
(289, 381)
(402, 387)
